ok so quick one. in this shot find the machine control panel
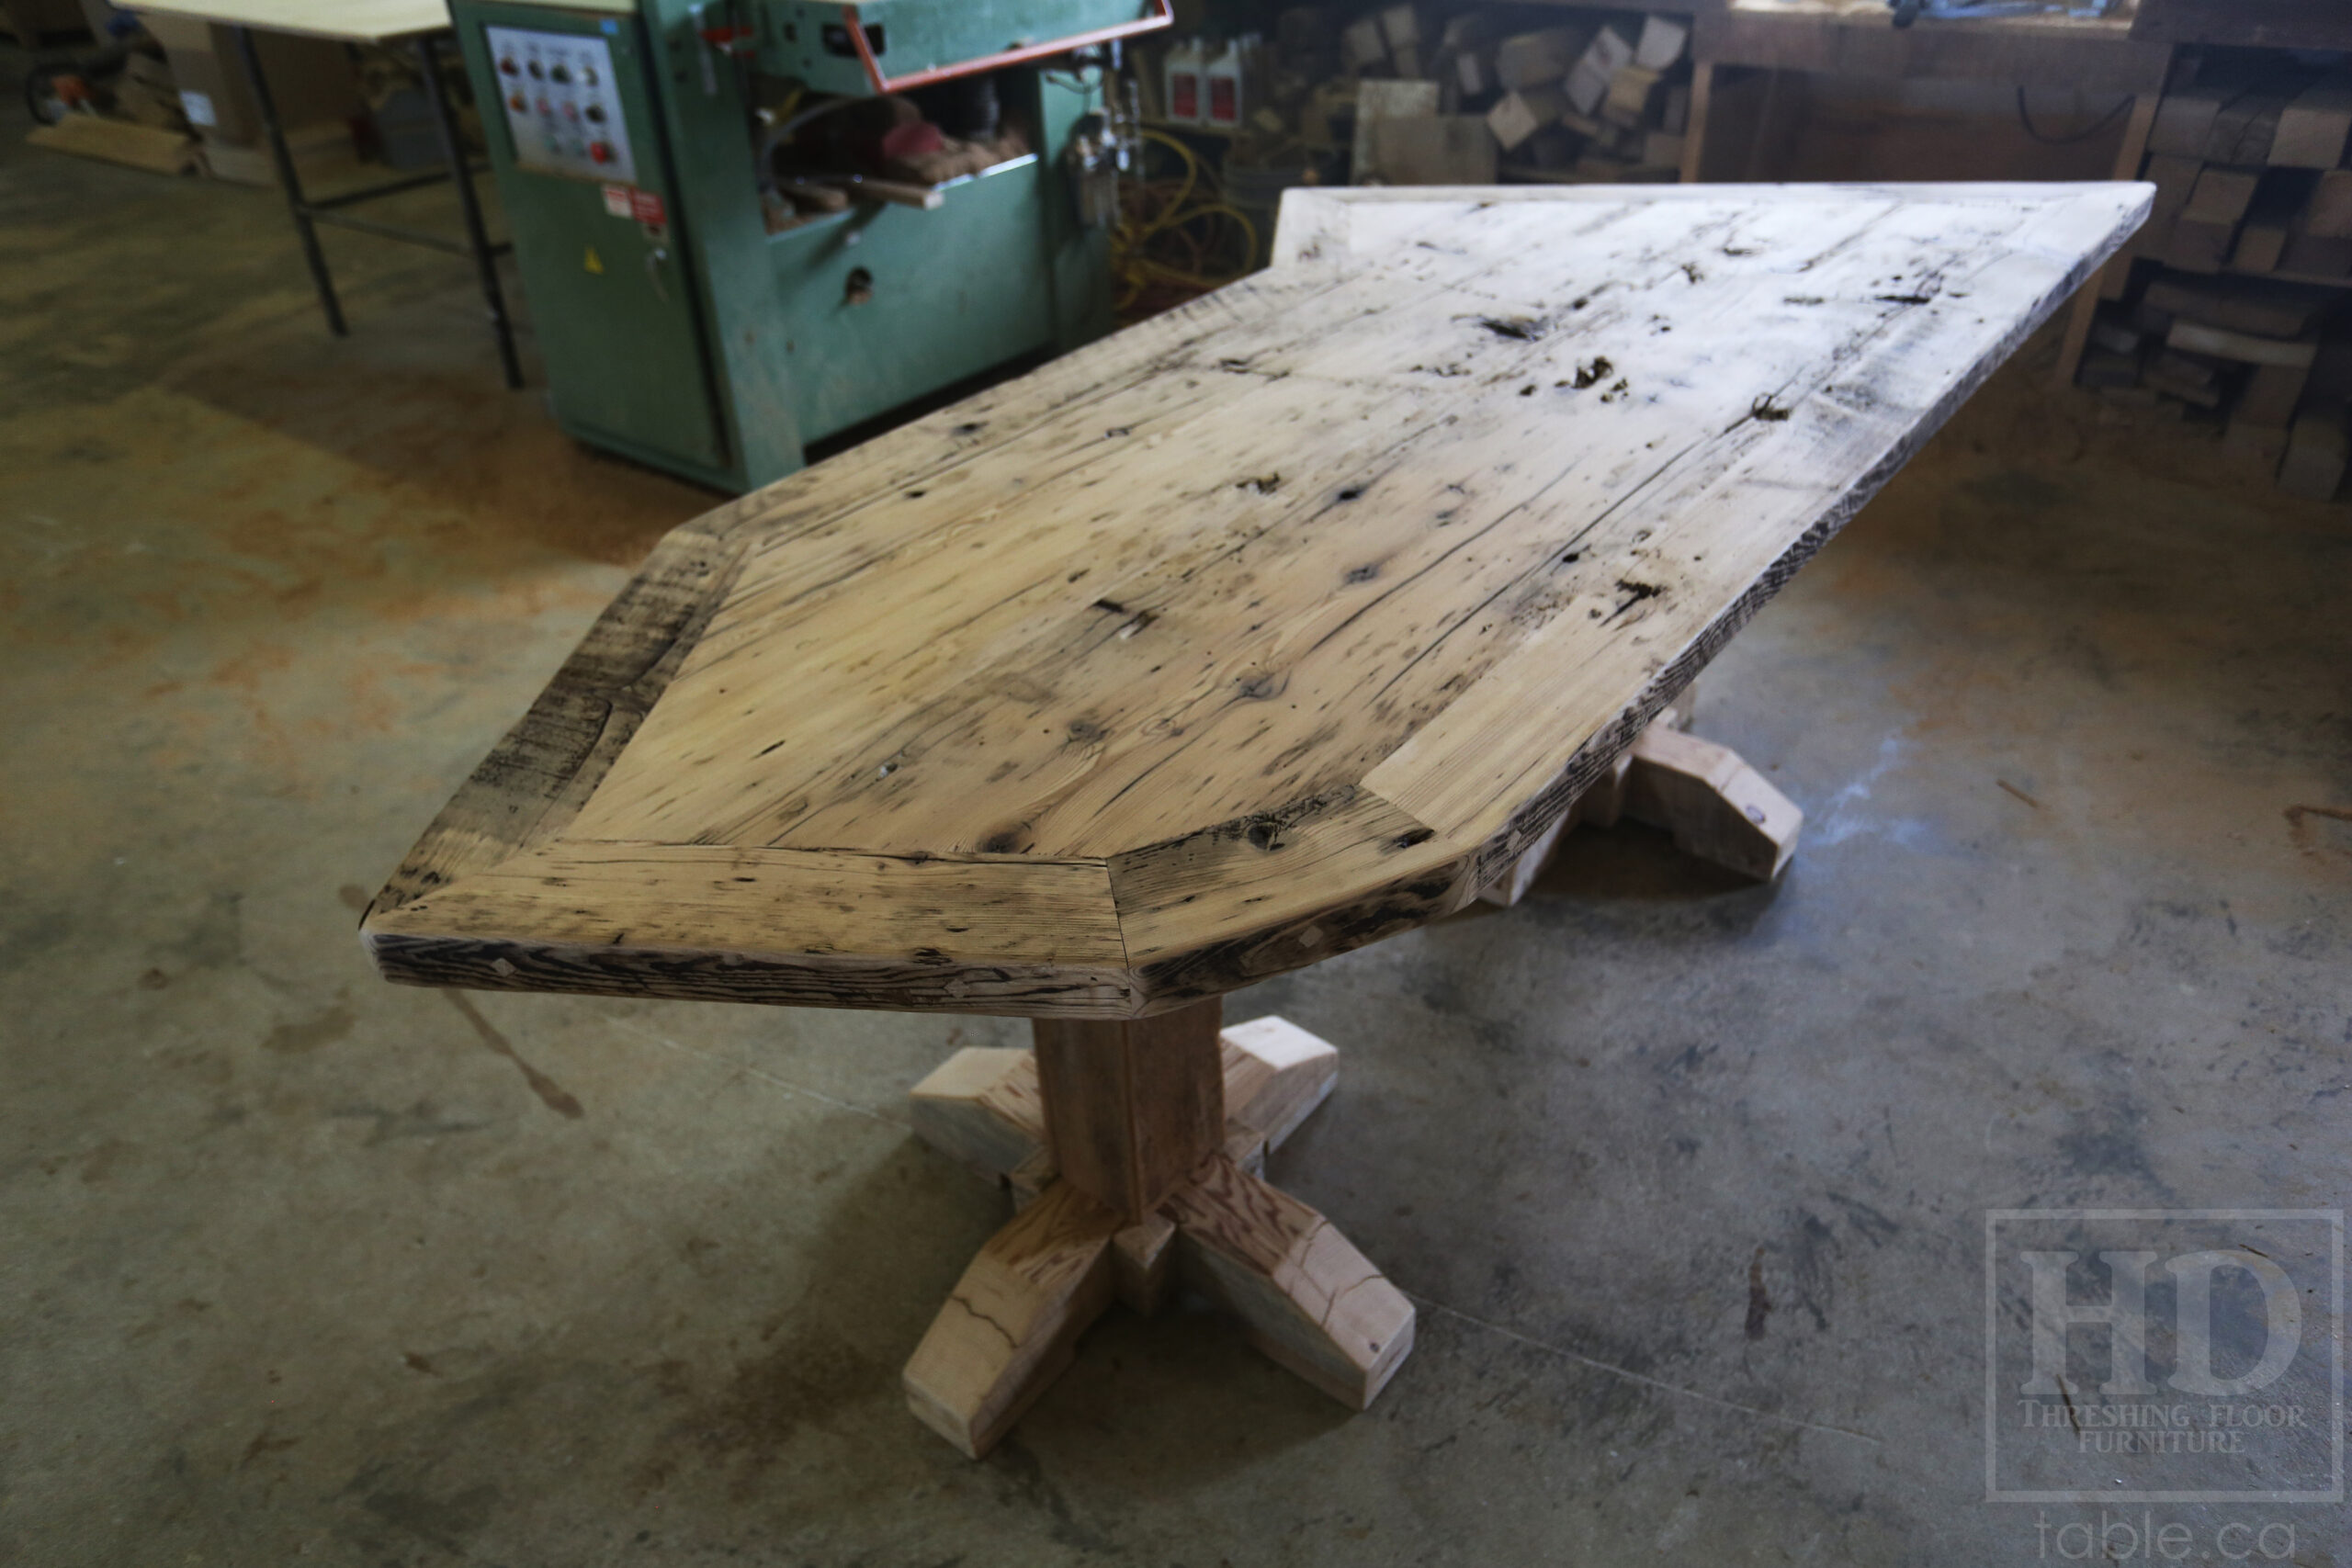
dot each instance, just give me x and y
(563, 108)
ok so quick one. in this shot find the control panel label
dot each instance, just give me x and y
(563, 108)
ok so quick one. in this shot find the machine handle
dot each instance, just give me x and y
(1163, 13)
(654, 259)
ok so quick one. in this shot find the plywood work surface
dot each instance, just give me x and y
(346, 21)
(1271, 626)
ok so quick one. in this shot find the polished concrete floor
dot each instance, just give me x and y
(1688, 1178)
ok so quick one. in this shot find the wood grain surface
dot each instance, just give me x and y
(1274, 625)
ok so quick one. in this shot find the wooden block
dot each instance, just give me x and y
(1662, 42)
(1307, 1298)
(1718, 808)
(2103, 367)
(2199, 247)
(1028, 1181)
(2264, 307)
(1577, 124)
(1661, 147)
(2315, 127)
(2116, 337)
(1589, 81)
(2328, 214)
(2184, 121)
(1627, 102)
(2221, 196)
(1376, 101)
(120, 141)
(2268, 398)
(2194, 337)
(895, 193)
(2331, 374)
(1401, 27)
(1362, 44)
(2184, 378)
(2313, 255)
(1276, 1074)
(981, 1106)
(2175, 179)
(1013, 1321)
(1674, 116)
(2258, 129)
(1520, 115)
(1470, 30)
(2317, 450)
(2260, 248)
(1532, 59)
(1554, 147)
(1441, 149)
(1474, 74)
(1131, 1105)
(1405, 60)
(1142, 1257)
(2236, 124)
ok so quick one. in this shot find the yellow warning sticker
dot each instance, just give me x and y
(593, 262)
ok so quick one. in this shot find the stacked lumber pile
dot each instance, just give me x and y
(1591, 95)
(2234, 308)
(1440, 95)
(1605, 99)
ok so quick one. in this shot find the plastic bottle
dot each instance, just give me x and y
(1221, 88)
(1183, 101)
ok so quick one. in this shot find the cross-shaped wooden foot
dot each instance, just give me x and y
(1718, 808)
(1132, 1152)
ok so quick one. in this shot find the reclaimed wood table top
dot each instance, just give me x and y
(1268, 628)
(345, 21)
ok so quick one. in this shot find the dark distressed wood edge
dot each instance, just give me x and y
(539, 775)
(910, 985)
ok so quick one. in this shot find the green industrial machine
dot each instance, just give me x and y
(630, 141)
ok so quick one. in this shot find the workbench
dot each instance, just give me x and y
(419, 24)
(1281, 623)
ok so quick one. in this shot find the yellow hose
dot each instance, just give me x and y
(1146, 226)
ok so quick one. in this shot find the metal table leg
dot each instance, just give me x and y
(294, 203)
(485, 259)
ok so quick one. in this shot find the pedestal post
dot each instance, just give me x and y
(1132, 1105)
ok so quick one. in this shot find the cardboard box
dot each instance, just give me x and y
(310, 80)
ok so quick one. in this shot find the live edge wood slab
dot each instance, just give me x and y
(1278, 624)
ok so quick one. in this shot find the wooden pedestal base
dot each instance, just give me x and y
(1161, 1127)
(1719, 809)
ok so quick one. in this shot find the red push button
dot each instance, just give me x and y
(600, 152)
